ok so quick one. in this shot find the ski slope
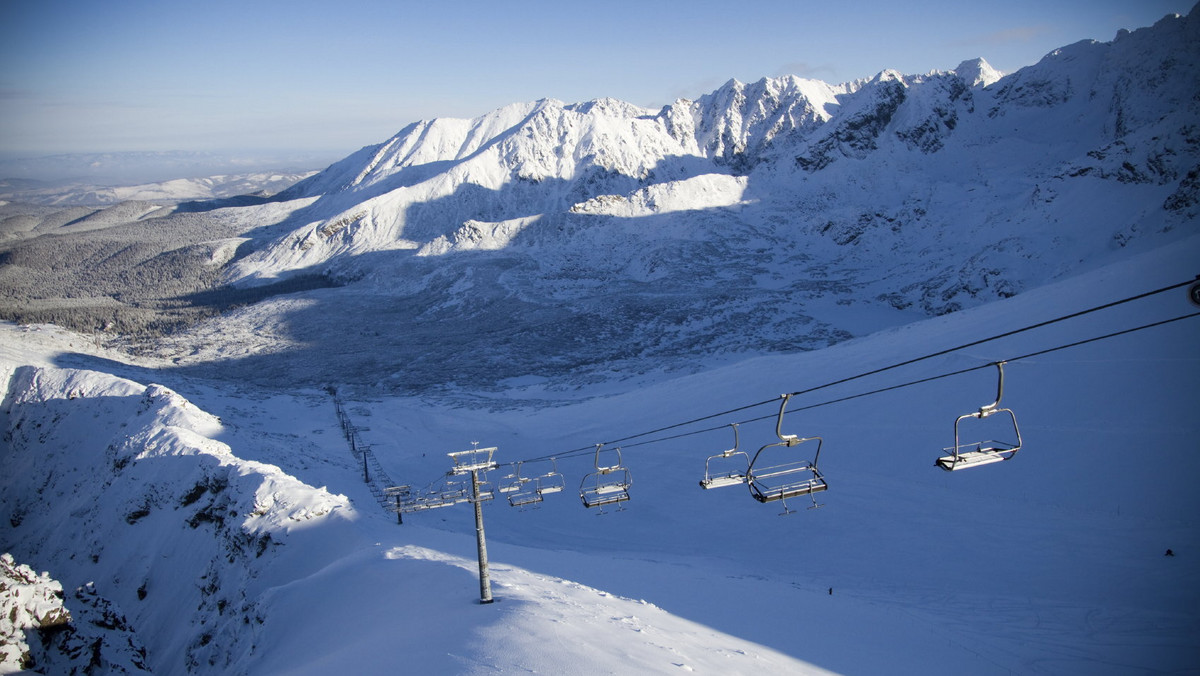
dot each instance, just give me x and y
(1050, 563)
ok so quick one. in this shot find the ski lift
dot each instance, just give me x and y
(475, 459)
(790, 478)
(977, 453)
(552, 481)
(607, 485)
(734, 473)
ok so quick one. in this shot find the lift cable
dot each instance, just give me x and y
(929, 379)
(1006, 334)
(590, 449)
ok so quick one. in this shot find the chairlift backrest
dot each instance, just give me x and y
(605, 469)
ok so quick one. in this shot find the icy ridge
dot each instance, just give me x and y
(83, 446)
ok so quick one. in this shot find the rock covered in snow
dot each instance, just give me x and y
(28, 601)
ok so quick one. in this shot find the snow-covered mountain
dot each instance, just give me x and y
(199, 520)
(782, 214)
(223, 186)
(193, 507)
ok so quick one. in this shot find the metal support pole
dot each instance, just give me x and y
(366, 472)
(485, 583)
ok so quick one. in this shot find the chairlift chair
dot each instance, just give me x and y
(735, 471)
(607, 485)
(513, 481)
(450, 491)
(789, 478)
(434, 500)
(977, 453)
(402, 491)
(552, 481)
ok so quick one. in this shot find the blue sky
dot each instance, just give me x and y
(125, 75)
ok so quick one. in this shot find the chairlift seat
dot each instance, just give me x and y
(726, 480)
(985, 453)
(792, 490)
(604, 495)
(771, 491)
(524, 498)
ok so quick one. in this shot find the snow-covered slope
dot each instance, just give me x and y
(219, 564)
(1049, 563)
(133, 487)
(223, 186)
(763, 217)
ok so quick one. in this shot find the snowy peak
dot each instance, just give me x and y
(1139, 77)
(977, 73)
(789, 195)
(736, 123)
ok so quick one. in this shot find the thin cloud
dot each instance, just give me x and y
(807, 70)
(1022, 34)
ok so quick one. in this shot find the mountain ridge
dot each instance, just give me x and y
(741, 222)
